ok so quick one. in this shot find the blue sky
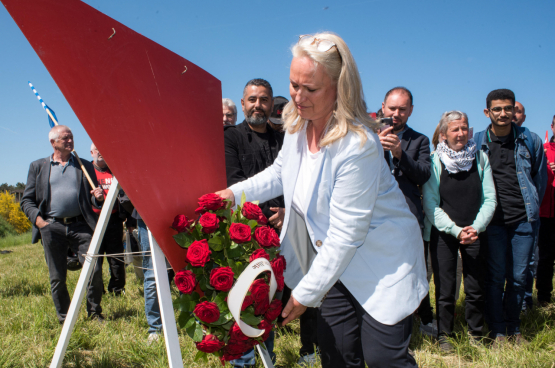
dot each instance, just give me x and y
(450, 54)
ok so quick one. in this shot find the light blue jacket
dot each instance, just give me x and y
(435, 216)
(358, 222)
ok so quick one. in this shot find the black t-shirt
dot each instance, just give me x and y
(510, 203)
(461, 195)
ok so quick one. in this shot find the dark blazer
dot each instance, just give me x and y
(244, 158)
(37, 193)
(413, 169)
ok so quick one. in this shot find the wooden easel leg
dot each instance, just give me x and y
(166, 305)
(85, 275)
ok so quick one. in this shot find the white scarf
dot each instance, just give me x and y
(457, 161)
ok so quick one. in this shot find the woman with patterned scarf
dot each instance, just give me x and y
(459, 202)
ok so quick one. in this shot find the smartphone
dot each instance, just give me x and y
(387, 122)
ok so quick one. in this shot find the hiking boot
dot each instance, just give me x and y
(499, 342)
(429, 329)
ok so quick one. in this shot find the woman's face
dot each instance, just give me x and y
(312, 90)
(456, 135)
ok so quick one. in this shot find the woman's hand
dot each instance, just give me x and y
(468, 235)
(292, 310)
(227, 194)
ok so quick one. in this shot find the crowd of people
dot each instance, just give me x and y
(366, 213)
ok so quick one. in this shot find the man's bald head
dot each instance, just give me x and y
(519, 115)
(55, 132)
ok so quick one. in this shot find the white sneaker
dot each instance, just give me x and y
(153, 337)
(430, 329)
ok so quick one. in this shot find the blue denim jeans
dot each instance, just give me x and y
(531, 274)
(152, 309)
(248, 359)
(508, 257)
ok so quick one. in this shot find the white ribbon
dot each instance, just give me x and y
(238, 293)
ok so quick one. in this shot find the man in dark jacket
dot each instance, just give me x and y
(408, 155)
(253, 146)
(58, 202)
(250, 148)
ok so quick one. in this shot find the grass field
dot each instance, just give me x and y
(30, 330)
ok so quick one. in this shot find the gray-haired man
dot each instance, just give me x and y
(58, 202)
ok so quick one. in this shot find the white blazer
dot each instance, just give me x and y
(358, 221)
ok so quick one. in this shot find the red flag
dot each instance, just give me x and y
(155, 116)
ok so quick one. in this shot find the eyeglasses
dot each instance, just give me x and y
(498, 109)
(322, 45)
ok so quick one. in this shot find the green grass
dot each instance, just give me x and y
(30, 330)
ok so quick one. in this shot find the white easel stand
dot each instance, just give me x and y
(166, 306)
(164, 295)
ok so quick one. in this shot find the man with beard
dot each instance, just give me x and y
(519, 168)
(250, 148)
(519, 114)
(408, 155)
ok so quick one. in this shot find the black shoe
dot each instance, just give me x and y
(98, 317)
(445, 345)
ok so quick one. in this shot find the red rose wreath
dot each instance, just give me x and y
(220, 245)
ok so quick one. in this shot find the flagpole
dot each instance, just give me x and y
(75, 153)
(56, 124)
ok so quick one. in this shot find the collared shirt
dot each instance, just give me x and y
(64, 190)
(510, 203)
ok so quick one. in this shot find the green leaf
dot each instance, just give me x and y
(228, 325)
(252, 223)
(235, 253)
(224, 318)
(227, 214)
(195, 296)
(199, 333)
(250, 319)
(255, 202)
(191, 329)
(243, 198)
(231, 263)
(190, 322)
(184, 239)
(221, 303)
(233, 245)
(184, 317)
(201, 356)
(215, 244)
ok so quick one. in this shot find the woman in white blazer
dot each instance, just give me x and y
(352, 246)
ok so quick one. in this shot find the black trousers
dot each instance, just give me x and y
(425, 309)
(544, 273)
(308, 325)
(348, 336)
(57, 238)
(444, 249)
(112, 243)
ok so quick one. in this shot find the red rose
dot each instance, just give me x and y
(259, 253)
(235, 333)
(278, 265)
(261, 307)
(207, 312)
(222, 278)
(267, 326)
(227, 357)
(209, 222)
(240, 233)
(198, 253)
(280, 283)
(210, 344)
(274, 310)
(253, 212)
(266, 237)
(182, 224)
(185, 281)
(246, 302)
(210, 202)
(259, 290)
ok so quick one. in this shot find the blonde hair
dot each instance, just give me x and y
(350, 108)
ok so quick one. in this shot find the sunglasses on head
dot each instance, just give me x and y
(322, 44)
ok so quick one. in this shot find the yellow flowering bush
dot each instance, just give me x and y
(11, 212)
